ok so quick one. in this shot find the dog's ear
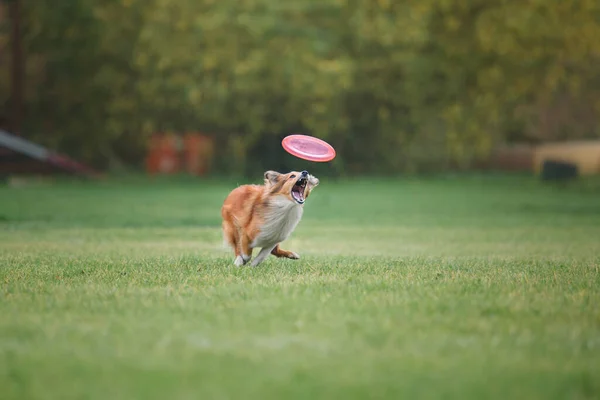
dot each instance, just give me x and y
(272, 177)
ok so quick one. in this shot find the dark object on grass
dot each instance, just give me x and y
(558, 171)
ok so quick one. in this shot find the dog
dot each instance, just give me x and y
(263, 216)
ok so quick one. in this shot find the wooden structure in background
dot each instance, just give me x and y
(585, 155)
(518, 158)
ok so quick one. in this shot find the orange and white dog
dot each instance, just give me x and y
(265, 215)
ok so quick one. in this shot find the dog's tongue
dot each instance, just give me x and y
(299, 192)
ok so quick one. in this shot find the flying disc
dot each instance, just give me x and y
(308, 148)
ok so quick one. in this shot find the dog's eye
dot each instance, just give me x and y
(292, 177)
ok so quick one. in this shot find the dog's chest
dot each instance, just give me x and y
(281, 218)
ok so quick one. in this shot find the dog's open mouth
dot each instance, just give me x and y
(299, 189)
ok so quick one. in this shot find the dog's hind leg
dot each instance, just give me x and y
(279, 252)
(231, 237)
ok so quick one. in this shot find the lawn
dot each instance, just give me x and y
(466, 288)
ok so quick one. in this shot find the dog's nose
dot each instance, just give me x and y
(304, 173)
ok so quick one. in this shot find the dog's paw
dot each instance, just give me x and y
(255, 262)
(239, 261)
(293, 256)
(246, 258)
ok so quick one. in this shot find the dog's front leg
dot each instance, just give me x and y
(262, 254)
(279, 252)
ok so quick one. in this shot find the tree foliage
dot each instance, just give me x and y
(395, 85)
(514, 70)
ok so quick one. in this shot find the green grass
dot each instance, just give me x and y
(458, 288)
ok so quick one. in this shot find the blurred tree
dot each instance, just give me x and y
(245, 69)
(4, 65)
(65, 105)
(16, 67)
(509, 70)
(395, 85)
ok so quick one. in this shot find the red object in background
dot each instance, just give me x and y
(197, 152)
(171, 154)
(163, 157)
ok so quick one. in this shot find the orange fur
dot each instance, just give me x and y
(265, 215)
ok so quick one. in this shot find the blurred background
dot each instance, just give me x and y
(211, 87)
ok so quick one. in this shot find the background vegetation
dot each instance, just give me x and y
(396, 85)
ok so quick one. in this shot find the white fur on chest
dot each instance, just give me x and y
(281, 218)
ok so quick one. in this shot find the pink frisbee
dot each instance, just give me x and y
(308, 148)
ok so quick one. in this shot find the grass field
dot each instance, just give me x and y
(466, 288)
